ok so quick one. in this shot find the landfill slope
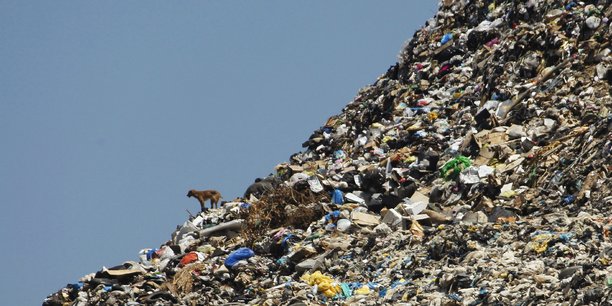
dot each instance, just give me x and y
(476, 170)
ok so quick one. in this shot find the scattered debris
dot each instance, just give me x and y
(476, 170)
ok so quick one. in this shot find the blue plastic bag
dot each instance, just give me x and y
(238, 255)
(446, 38)
(150, 253)
(332, 216)
(569, 199)
(337, 198)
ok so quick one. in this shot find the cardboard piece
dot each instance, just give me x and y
(364, 219)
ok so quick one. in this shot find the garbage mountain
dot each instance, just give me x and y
(475, 171)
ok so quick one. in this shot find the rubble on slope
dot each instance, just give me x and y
(474, 171)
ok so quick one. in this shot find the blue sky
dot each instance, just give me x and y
(111, 110)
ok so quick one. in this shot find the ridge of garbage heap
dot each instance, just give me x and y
(476, 170)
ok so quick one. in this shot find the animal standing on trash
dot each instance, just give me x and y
(261, 186)
(204, 195)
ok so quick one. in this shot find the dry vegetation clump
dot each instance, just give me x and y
(282, 207)
(183, 281)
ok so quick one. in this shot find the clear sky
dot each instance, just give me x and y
(111, 110)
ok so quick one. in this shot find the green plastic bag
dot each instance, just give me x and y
(453, 167)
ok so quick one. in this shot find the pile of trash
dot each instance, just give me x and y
(476, 170)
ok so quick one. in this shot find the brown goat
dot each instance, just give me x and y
(204, 195)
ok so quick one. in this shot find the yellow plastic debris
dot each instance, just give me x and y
(387, 138)
(508, 194)
(410, 159)
(539, 243)
(432, 116)
(364, 290)
(325, 283)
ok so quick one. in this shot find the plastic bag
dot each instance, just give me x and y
(238, 255)
(337, 198)
(453, 167)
